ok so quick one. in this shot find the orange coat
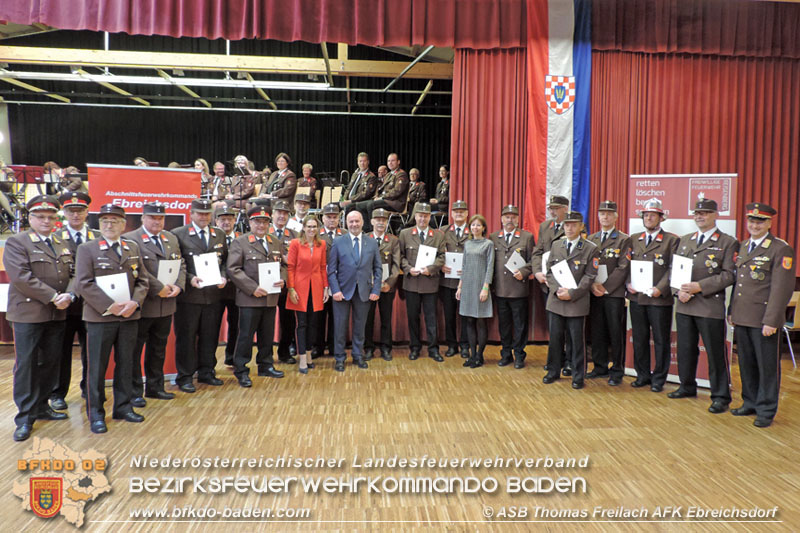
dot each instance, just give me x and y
(307, 270)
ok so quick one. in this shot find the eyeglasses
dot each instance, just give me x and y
(51, 218)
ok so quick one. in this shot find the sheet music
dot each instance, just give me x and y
(641, 275)
(206, 267)
(269, 273)
(681, 271)
(168, 271)
(425, 257)
(563, 275)
(455, 261)
(115, 286)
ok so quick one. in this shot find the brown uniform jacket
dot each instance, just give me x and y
(328, 241)
(390, 255)
(583, 261)
(417, 192)
(659, 253)
(96, 258)
(228, 292)
(505, 285)
(409, 247)
(245, 255)
(76, 307)
(222, 189)
(241, 187)
(36, 275)
(713, 268)
(453, 244)
(443, 193)
(764, 283)
(614, 255)
(364, 189)
(155, 306)
(191, 245)
(281, 185)
(547, 236)
(394, 189)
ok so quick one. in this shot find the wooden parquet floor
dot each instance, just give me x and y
(644, 449)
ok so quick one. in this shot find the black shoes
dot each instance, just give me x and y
(58, 404)
(567, 372)
(505, 361)
(130, 416)
(138, 401)
(187, 387)
(550, 378)
(369, 354)
(596, 373)
(680, 393)
(49, 414)
(451, 351)
(614, 381)
(22, 432)
(577, 385)
(386, 355)
(717, 408)
(743, 411)
(434, 354)
(761, 422)
(360, 363)
(245, 382)
(656, 388)
(640, 383)
(214, 381)
(414, 355)
(270, 372)
(519, 363)
(98, 426)
(339, 366)
(288, 360)
(160, 395)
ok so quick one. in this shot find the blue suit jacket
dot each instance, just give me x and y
(346, 276)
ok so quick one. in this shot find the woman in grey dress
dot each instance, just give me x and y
(473, 289)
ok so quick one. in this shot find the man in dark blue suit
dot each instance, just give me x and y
(354, 275)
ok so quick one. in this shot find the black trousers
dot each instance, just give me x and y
(196, 339)
(252, 321)
(37, 348)
(712, 330)
(101, 338)
(385, 306)
(323, 326)
(645, 318)
(512, 318)
(305, 321)
(760, 369)
(607, 317)
(452, 319)
(233, 327)
(288, 325)
(73, 325)
(560, 328)
(415, 300)
(152, 336)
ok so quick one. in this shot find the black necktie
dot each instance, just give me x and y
(649, 239)
(229, 240)
(701, 239)
(356, 250)
(422, 237)
(263, 244)
(569, 247)
(50, 245)
(458, 233)
(157, 239)
(355, 185)
(78, 238)
(752, 247)
(330, 235)
(557, 226)
(508, 239)
(605, 236)
(203, 238)
(115, 247)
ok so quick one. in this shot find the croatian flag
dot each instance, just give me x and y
(559, 70)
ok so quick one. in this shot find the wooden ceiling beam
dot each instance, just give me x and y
(35, 89)
(118, 90)
(183, 87)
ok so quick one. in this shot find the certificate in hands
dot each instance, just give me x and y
(206, 267)
(545, 258)
(425, 257)
(602, 274)
(641, 275)
(384, 272)
(563, 275)
(515, 262)
(455, 261)
(681, 271)
(115, 286)
(168, 270)
(269, 274)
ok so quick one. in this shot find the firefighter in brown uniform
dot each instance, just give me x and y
(389, 249)
(110, 324)
(39, 268)
(568, 307)
(607, 312)
(764, 284)
(512, 289)
(362, 185)
(225, 219)
(455, 235)
(421, 285)
(197, 316)
(278, 229)
(700, 306)
(550, 231)
(324, 319)
(155, 245)
(652, 310)
(74, 233)
(392, 192)
(256, 305)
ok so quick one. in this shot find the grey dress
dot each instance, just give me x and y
(477, 270)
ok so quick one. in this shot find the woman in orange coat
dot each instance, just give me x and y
(308, 283)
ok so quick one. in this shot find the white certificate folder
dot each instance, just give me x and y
(206, 267)
(168, 270)
(455, 261)
(681, 271)
(115, 286)
(563, 275)
(641, 275)
(425, 257)
(269, 274)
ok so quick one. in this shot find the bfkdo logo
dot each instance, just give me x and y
(46, 496)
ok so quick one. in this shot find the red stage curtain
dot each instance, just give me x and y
(655, 113)
(716, 27)
(477, 24)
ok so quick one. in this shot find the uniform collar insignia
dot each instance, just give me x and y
(35, 237)
(766, 243)
(103, 244)
(145, 237)
(251, 238)
(65, 235)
